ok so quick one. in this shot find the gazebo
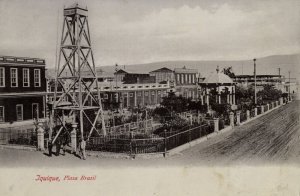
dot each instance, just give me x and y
(217, 87)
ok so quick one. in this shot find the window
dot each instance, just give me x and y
(146, 93)
(139, 94)
(158, 92)
(19, 110)
(14, 77)
(130, 94)
(178, 78)
(26, 77)
(37, 78)
(2, 77)
(105, 96)
(153, 93)
(1, 114)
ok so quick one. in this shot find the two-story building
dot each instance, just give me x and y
(22, 89)
(186, 83)
(163, 75)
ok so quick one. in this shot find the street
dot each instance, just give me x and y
(271, 139)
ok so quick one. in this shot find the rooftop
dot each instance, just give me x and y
(164, 69)
(21, 60)
(218, 78)
(185, 70)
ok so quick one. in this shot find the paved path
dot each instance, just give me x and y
(271, 139)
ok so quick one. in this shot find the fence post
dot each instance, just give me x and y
(262, 109)
(216, 124)
(130, 142)
(165, 142)
(40, 136)
(74, 138)
(248, 115)
(268, 107)
(280, 100)
(255, 111)
(231, 118)
(238, 117)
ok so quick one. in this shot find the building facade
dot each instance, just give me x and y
(163, 75)
(22, 89)
(186, 84)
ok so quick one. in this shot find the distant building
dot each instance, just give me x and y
(133, 95)
(132, 77)
(186, 83)
(163, 75)
(22, 88)
(246, 80)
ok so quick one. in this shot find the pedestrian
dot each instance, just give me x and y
(82, 153)
(65, 142)
(50, 147)
(58, 146)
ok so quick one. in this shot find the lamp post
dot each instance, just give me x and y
(255, 98)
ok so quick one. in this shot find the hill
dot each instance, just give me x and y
(265, 65)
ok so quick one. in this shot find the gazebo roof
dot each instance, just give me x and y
(218, 78)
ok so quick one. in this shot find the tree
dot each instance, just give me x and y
(269, 93)
(228, 71)
(175, 103)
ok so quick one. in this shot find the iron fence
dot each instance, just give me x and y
(18, 136)
(243, 116)
(186, 136)
(258, 110)
(252, 113)
(265, 108)
(139, 144)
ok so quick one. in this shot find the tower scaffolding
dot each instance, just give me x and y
(77, 77)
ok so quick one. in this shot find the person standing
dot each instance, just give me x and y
(50, 147)
(82, 146)
(58, 146)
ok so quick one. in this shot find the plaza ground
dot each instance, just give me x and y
(269, 140)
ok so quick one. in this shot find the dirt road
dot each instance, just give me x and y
(271, 139)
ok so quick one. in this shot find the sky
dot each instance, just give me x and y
(143, 31)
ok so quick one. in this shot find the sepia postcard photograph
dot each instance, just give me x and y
(140, 97)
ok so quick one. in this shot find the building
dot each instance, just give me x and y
(218, 88)
(132, 95)
(261, 80)
(163, 75)
(186, 83)
(22, 89)
(132, 77)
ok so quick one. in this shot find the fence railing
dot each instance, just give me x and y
(243, 116)
(265, 108)
(143, 127)
(132, 144)
(18, 136)
(178, 139)
(258, 110)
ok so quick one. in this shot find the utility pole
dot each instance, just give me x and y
(255, 99)
(289, 84)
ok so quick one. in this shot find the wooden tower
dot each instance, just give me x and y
(79, 95)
